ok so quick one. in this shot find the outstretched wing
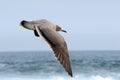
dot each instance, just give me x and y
(58, 45)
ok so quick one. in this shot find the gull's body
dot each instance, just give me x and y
(48, 30)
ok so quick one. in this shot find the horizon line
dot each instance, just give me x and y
(51, 50)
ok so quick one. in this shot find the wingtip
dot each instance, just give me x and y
(70, 74)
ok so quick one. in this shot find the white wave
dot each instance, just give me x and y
(2, 65)
(76, 77)
(101, 78)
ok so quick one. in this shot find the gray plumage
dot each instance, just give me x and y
(48, 30)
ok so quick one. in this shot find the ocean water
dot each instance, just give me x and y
(86, 65)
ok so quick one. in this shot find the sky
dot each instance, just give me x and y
(90, 24)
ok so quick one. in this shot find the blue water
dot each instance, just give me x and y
(86, 65)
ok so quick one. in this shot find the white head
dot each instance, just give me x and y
(58, 28)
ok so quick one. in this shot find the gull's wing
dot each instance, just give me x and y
(58, 45)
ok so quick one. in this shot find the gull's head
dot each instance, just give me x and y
(58, 28)
(27, 25)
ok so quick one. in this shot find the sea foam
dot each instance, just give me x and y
(98, 77)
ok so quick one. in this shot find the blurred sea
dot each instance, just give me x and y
(86, 65)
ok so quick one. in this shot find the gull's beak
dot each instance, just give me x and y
(64, 31)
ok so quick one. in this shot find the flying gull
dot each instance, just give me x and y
(48, 30)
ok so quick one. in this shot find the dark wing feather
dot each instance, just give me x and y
(36, 33)
(58, 44)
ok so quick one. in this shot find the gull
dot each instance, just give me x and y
(48, 31)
